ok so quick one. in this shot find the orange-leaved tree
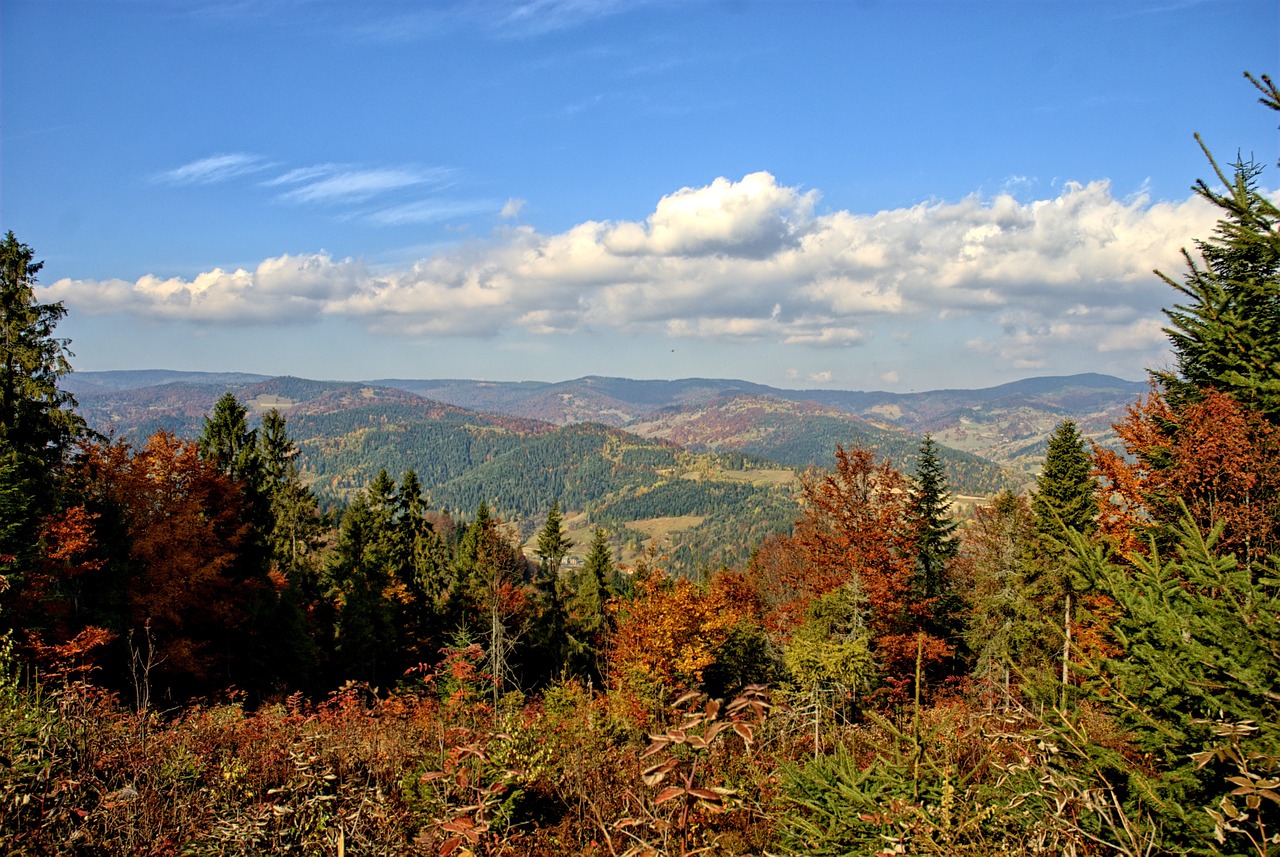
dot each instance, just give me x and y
(668, 635)
(178, 577)
(1215, 455)
(856, 529)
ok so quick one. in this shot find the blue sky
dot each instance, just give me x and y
(862, 195)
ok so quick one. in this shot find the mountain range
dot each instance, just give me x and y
(707, 467)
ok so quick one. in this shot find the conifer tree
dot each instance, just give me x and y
(293, 510)
(37, 420)
(1065, 503)
(930, 515)
(1066, 492)
(588, 622)
(1003, 624)
(552, 547)
(364, 634)
(553, 544)
(1227, 334)
(229, 444)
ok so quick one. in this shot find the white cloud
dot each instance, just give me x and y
(511, 208)
(890, 377)
(213, 169)
(747, 260)
(280, 290)
(823, 377)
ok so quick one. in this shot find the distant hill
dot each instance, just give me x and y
(805, 434)
(1007, 424)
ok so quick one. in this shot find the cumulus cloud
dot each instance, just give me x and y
(745, 260)
(213, 169)
(284, 289)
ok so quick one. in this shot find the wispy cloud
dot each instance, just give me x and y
(536, 17)
(213, 169)
(429, 211)
(502, 19)
(336, 184)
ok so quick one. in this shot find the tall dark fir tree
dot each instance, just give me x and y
(38, 423)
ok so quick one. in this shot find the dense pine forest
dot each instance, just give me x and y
(198, 656)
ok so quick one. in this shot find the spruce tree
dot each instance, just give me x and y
(552, 547)
(1226, 336)
(364, 632)
(930, 516)
(294, 516)
(590, 589)
(1066, 492)
(228, 443)
(37, 420)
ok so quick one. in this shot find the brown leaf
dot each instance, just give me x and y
(668, 793)
(686, 697)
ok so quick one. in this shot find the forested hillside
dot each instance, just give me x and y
(195, 659)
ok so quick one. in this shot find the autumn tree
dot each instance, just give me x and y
(667, 636)
(175, 537)
(856, 528)
(1214, 458)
